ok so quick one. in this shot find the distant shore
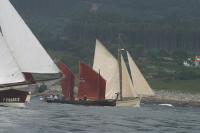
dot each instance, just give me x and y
(173, 97)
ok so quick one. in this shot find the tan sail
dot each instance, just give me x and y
(109, 69)
(29, 53)
(127, 85)
(139, 82)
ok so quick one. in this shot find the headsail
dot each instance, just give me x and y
(127, 86)
(108, 66)
(30, 55)
(91, 84)
(9, 71)
(140, 84)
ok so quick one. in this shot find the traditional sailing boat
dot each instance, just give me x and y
(91, 89)
(118, 78)
(23, 60)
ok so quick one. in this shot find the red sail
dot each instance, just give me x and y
(67, 82)
(92, 85)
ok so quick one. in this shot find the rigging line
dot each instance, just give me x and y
(1, 30)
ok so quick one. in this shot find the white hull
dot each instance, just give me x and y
(18, 105)
(129, 102)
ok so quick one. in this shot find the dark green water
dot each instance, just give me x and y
(39, 117)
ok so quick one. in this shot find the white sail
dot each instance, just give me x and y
(140, 84)
(127, 85)
(30, 55)
(9, 71)
(109, 69)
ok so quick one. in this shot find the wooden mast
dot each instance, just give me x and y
(120, 73)
(98, 88)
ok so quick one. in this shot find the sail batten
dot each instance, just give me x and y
(29, 53)
(109, 68)
(140, 84)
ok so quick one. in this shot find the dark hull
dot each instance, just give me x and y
(12, 97)
(86, 103)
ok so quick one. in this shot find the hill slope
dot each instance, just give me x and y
(151, 29)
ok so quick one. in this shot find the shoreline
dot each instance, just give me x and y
(177, 99)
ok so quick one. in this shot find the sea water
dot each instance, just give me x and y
(41, 117)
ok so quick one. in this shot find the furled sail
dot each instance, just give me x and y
(67, 82)
(9, 70)
(27, 50)
(107, 64)
(140, 84)
(91, 85)
(127, 85)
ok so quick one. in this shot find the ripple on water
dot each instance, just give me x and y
(41, 117)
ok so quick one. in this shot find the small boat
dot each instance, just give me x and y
(24, 62)
(91, 90)
(131, 88)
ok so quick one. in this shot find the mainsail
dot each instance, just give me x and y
(127, 86)
(27, 50)
(67, 82)
(107, 64)
(140, 84)
(9, 70)
(91, 85)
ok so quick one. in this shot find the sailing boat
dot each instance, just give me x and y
(118, 78)
(91, 90)
(23, 59)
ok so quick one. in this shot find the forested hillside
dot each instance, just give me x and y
(150, 29)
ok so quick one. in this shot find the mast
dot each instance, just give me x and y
(98, 87)
(120, 73)
(71, 93)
